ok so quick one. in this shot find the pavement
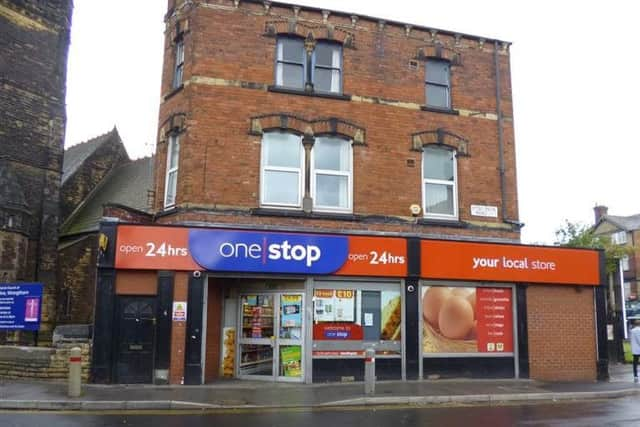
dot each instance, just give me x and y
(235, 394)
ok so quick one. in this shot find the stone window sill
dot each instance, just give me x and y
(337, 96)
(440, 110)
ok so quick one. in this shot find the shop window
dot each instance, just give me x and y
(471, 320)
(284, 177)
(332, 177)
(179, 64)
(346, 320)
(439, 189)
(282, 170)
(293, 65)
(171, 179)
(438, 84)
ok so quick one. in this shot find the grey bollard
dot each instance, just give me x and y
(75, 372)
(369, 371)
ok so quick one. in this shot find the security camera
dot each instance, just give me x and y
(415, 209)
(411, 288)
(197, 274)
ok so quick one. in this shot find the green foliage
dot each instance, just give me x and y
(577, 235)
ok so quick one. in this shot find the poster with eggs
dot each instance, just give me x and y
(467, 320)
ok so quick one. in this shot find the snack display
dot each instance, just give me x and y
(449, 320)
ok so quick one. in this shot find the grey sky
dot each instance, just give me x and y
(575, 79)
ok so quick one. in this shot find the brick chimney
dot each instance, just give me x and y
(600, 211)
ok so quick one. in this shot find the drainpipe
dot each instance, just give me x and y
(503, 183)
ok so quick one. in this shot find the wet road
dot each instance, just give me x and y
(615, 412)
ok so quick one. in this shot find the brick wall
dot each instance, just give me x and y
(229, 64)
(78, 281)
(178, 331)
(13, 251)
(562, 341)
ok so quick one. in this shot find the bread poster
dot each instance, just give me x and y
(391, 316)
(466, 320)
(228, 352)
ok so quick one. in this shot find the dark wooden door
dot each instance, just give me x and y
(135, 340)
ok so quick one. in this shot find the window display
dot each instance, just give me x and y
(346, 321)
(466, 320)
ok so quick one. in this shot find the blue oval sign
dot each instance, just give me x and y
(224, 250)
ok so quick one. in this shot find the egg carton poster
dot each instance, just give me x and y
(467, 320)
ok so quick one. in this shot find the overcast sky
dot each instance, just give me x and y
(574, 67)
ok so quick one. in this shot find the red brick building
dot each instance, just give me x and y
(377, 145)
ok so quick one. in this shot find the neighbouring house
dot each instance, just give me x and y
(326, 185)
(98, 180)
(624, 231)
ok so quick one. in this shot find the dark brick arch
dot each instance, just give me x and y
(293, 27)
(437, 50)
(297, 124)
(440, 137)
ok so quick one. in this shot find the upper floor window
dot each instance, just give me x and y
(438, 84)
(321, 71)
(624, 262)
(282, 170)
(291, 61)
(284, 177)
(619, 238)
(439, 192)
(332, 178)
(179, 64)
(327, 68)
(171, 178)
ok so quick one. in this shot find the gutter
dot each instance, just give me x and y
(500, 121)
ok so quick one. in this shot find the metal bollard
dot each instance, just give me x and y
(369, 371)
(75, 372)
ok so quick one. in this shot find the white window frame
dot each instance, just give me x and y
(178, 71)
(349, 174)
(264, 168)
(624, 263)
(619, 237)
(454, 184)
(173, 139)
(280, 81)
(332, 68)
(428, 83)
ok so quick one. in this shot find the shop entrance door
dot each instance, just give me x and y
(271, 341)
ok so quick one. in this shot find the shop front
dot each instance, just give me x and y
(304, 307)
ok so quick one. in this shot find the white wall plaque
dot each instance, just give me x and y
(487, 211)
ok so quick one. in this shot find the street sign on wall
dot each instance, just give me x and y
(20, 306)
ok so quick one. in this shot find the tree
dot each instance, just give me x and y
(578, 235)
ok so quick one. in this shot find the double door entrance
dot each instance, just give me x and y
(271, 336)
